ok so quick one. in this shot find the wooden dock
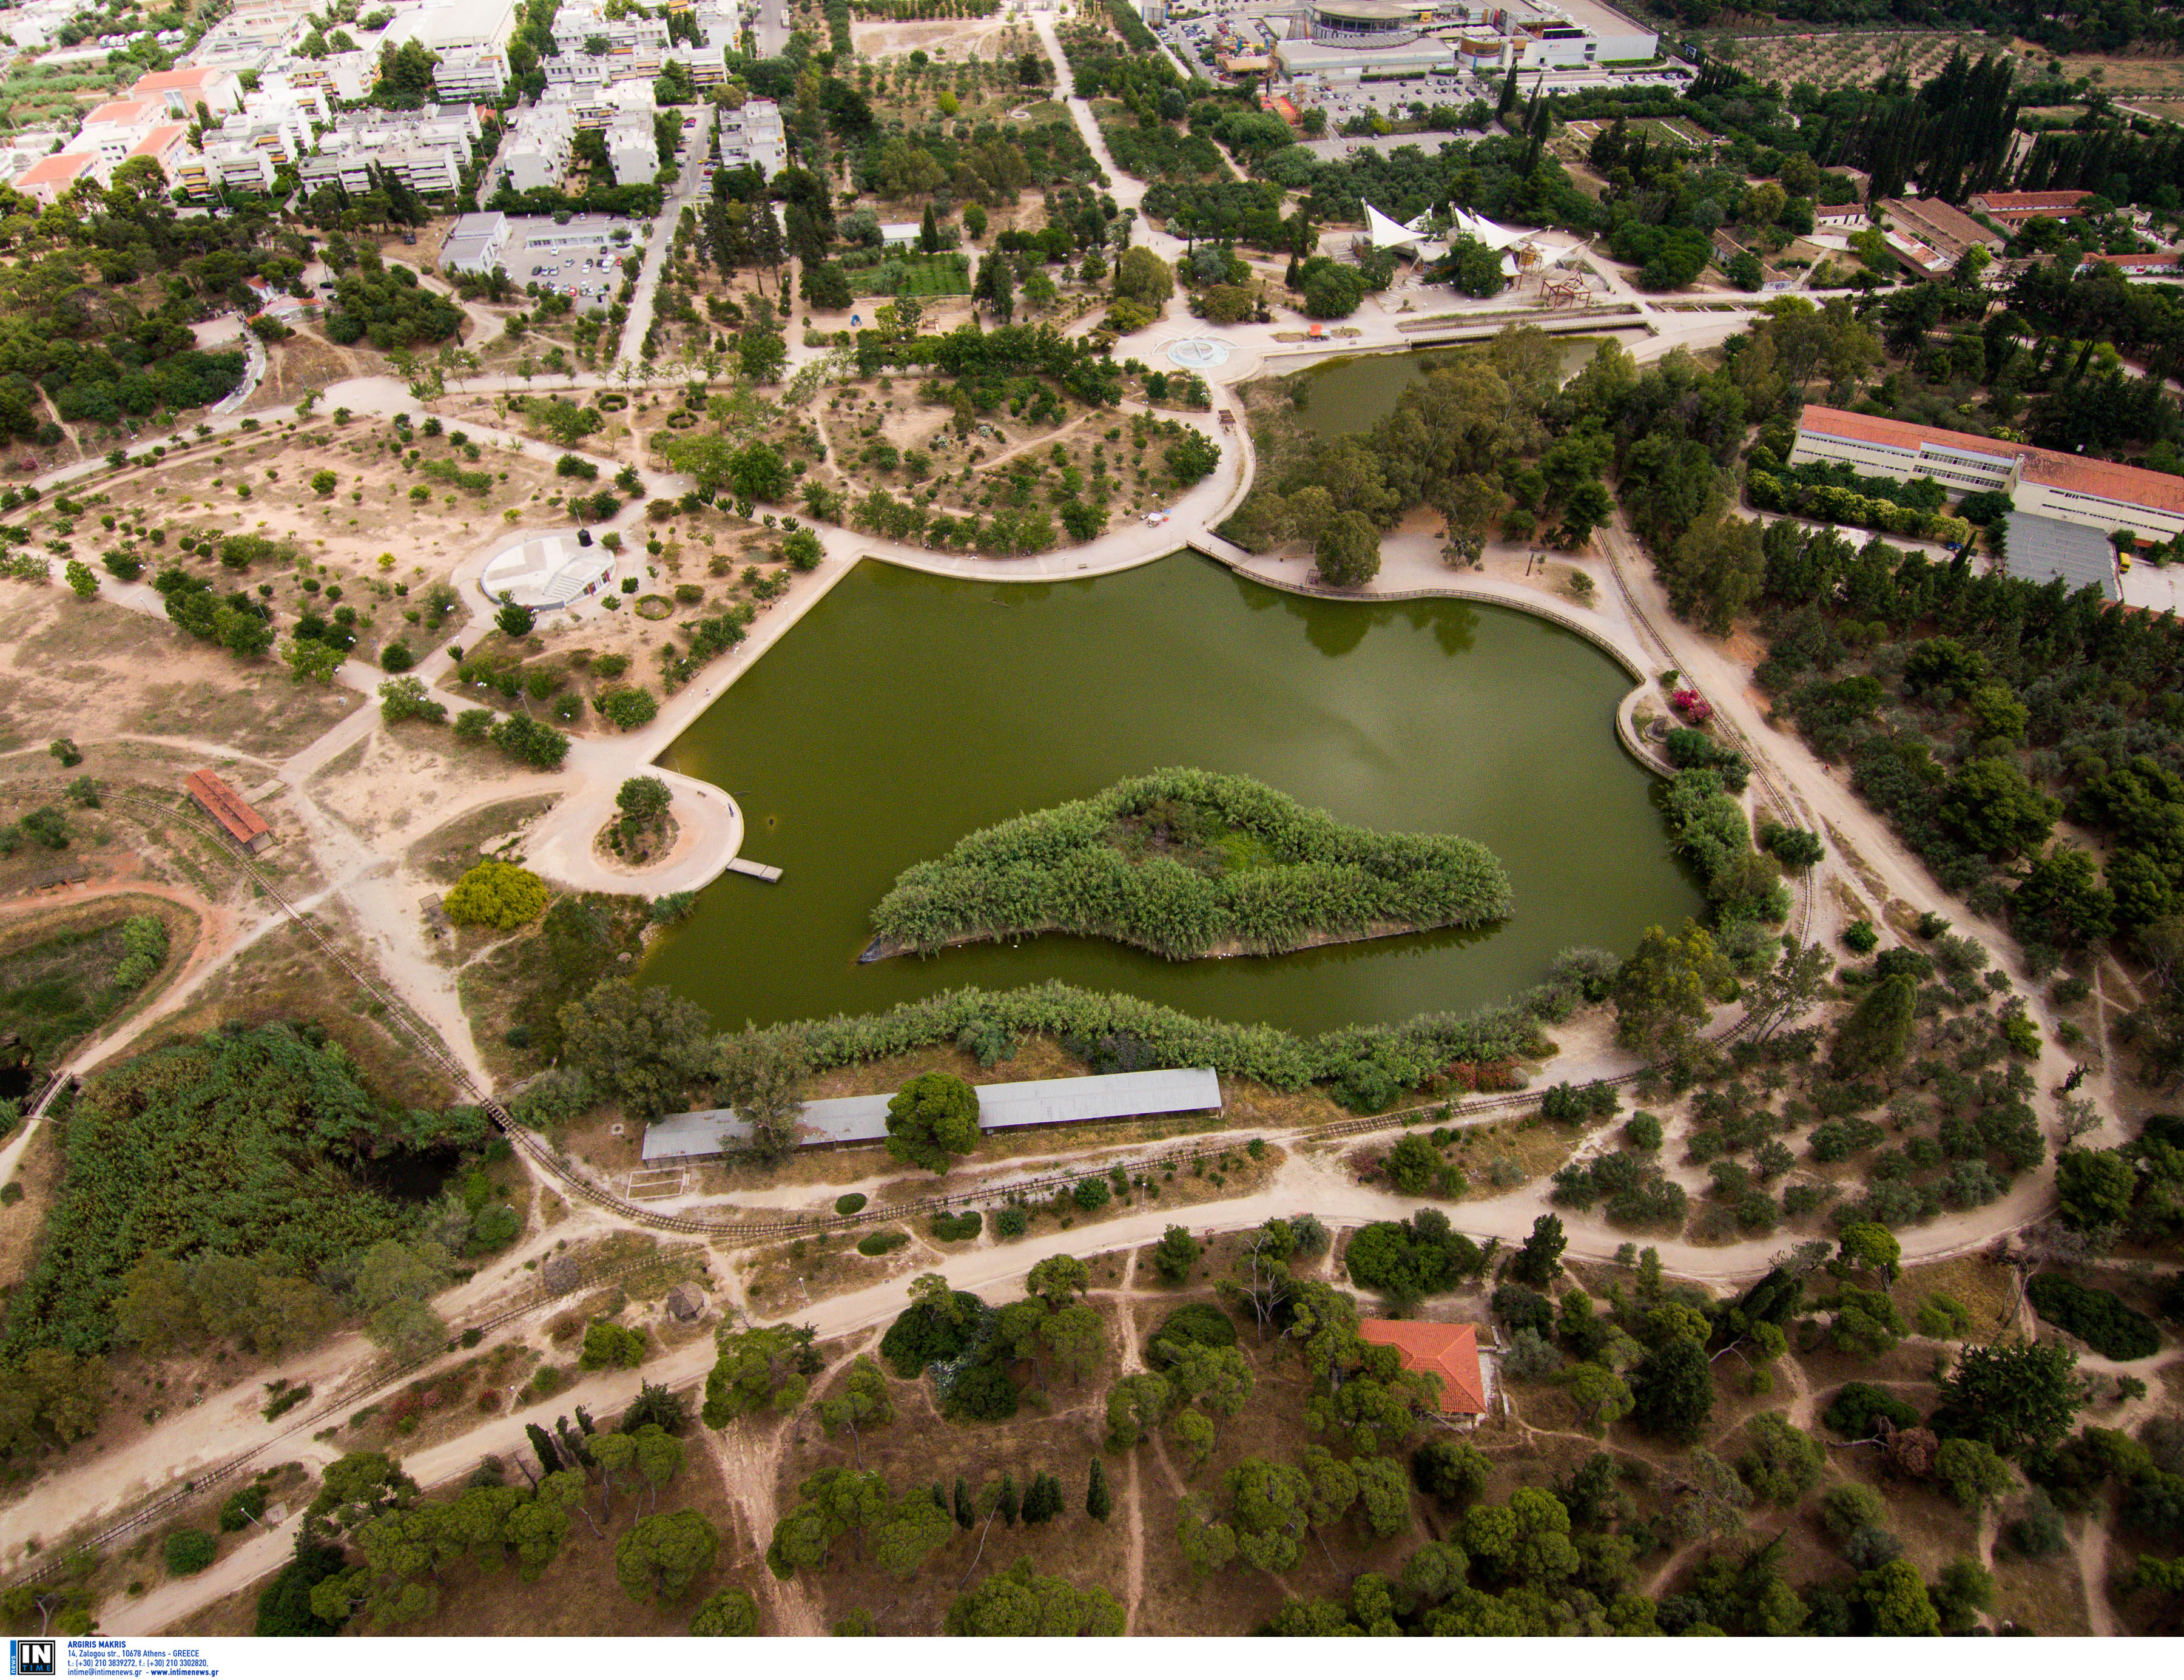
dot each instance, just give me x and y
(763, 872)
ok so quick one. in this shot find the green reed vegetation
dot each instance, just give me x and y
(1190, 863)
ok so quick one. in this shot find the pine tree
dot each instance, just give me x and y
(1097, 1504)
(1010, 1503)
(964, 1516)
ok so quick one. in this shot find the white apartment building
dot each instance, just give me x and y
(633, 151)
(112, 130)
(540, 147)
(753, 135)
(341, 77)
(425, 149)
(603, 106)
(574, 25)
(471, 72)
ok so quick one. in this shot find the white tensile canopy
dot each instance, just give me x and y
(1387, 234)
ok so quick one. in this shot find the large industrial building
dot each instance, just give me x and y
(1348, 39)
(2046, 488)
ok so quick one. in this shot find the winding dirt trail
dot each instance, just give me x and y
(746, 1462)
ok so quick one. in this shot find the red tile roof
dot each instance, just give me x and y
(2060, 472)
(225, 805)
(2030, 201)
(59, 166)
(1449, 1351)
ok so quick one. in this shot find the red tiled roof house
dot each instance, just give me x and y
(1449, 1351)
(224, 807)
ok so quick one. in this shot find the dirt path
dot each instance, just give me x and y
(2090, 1545)
(747, 1461)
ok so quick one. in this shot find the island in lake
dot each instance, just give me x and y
(1190, 863)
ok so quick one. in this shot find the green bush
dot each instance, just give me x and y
(1012, 1221)
(957, 1227)
(853, 1202)
(627, 708)
(1091, 1194)
(189, 1551)
(883, 1242)
(243, 1508)
(611, 1347)
(2097, 1317)
(1851, 1413)
(1860, 936)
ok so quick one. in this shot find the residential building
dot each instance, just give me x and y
(900, 236)
(471, 72)
(249, 40)
(112, 130)
(576, 26)
(2074, 490)
(49, 178)
(340, 77)
(539, 148)
(225, 163)
(601, 106)
(426, 149)
(165, 145)
(2014, 210)
(633, 151)
(422, 166)
(706, 66)
(754, 136)
(217, 89)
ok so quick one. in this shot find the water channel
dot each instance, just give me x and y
(904, 710)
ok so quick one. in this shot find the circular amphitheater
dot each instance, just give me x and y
(546, 573)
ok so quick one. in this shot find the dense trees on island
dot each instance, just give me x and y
(1190, 863)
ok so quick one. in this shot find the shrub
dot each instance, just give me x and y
(1642, 1130)
(2096, 1317)
(853, 1202)
(243, 1508)
(189, 1550)
(627, 708)
(1851, 1413)
(496, 895)
(396, 656)
(1012, 1221)
(1860, 936)
(611, 1347)
(1091, 1194)
(883, 1242)
(957, 1227)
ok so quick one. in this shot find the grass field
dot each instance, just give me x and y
(937, 276)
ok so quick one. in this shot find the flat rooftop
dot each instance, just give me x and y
(2042, 551)
(1019, 1103)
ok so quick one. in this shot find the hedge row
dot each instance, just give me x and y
(1367, 1066)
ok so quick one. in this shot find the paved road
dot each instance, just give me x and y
(689, 187)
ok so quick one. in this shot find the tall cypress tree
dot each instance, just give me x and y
(550, 1460)
(1010, 1503)
(965, 1515)
(1097, 1503)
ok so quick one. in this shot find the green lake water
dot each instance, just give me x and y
(904, 710)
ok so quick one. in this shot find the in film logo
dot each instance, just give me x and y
(32, 1656)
